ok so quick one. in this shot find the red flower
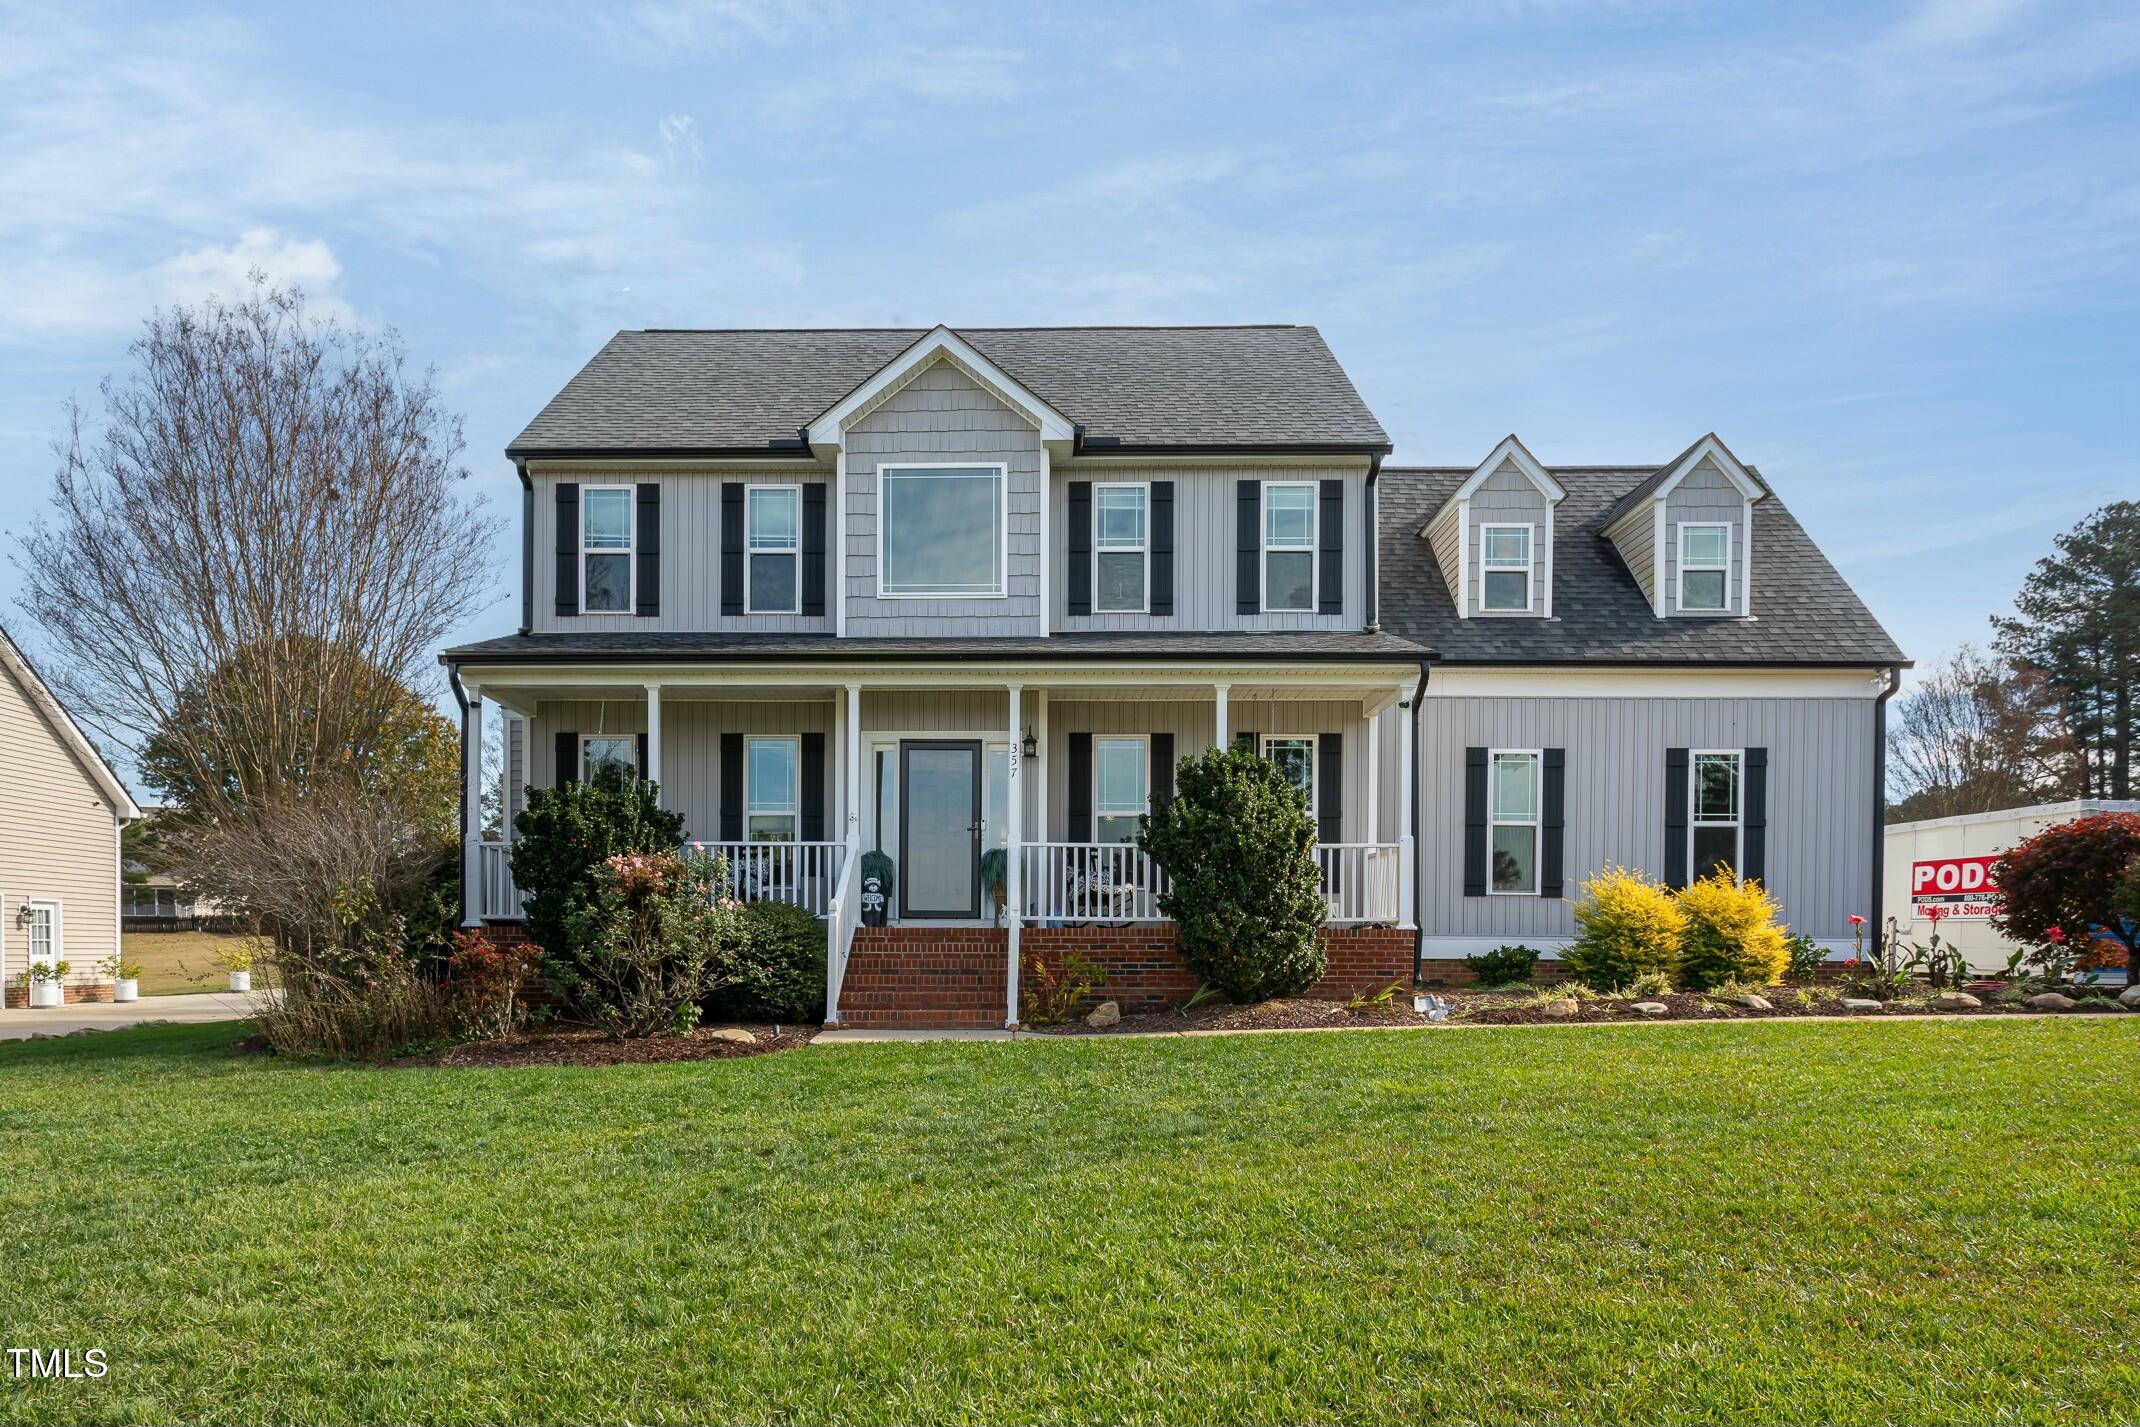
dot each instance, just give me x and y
(1856, 920)
(2057, 935)
(1933, 914)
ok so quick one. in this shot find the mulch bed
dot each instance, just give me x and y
(592, 1048)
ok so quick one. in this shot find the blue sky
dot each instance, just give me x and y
(1886, 251)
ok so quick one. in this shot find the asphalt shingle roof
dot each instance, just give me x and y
(1804, 612)
(686, 391)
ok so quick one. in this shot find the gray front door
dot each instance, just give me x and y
(939, 829)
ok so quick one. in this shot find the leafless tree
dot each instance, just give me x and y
(1978, 734)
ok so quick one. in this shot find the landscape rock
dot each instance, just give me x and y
(1651, 1008)
(1753, 1003)
(1106, 1014)
(1559, 1010)
(1857, 1003)
(1955, 1001)
(735, 1034)
(2129, 998)
(2049, 1001)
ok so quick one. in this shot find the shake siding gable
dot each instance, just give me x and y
(1507, 497)
(1706, 496)
(59, 840)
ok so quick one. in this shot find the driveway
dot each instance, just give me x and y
(189, 1010)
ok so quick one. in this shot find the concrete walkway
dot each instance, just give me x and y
(193, 1009)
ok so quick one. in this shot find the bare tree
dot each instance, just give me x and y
(1977, 735)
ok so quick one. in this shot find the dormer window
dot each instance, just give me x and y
(1505, 573)
(1704, 568)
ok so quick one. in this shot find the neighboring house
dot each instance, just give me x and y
(152, 900)
(941, 592)
(59, 839)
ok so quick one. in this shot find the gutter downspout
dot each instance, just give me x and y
(1419, 923)
(1877, 916)
(468, 832)
(527, 552)
(1374, 542)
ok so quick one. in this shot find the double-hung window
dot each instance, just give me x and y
(1118, 549)
(772, 534)
(1295, 756)
(606, 550)
(1505, 568)
(772, 793)
(1705, 568)
(1717, 790)
(940, 532)
(1118, 788)
(1289, 547)
(608, 750)
(1512, 802)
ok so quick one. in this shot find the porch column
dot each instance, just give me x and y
(652, 771)
(1040, 775)
(1014, 851)
(854, 765)
(472, 810)
(1374, 783)
(1407, 858)
(1220, 736)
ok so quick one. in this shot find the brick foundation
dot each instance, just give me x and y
(17, 998)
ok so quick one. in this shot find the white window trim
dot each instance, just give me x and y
(1315, 758)
(1679, 538)
(1143, 547)
(794, 812)
(58, 909)
(1144, 778)
(631, 739)
(1535, 823)
(1003, 531)
(793, 552)
(630, 549)
(1737, 822)
(1530, 565)
(1314, 546)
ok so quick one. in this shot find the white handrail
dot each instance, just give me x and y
(840, 927)
(501, 900)
(1360, 881)
(801, 873)
(1090, 882)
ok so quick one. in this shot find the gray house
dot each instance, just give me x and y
(939, 593)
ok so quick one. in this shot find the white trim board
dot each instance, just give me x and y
(1433, 948)
(1665, 683)
(940, 343)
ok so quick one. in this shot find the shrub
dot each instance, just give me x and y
(1732, 933)
(2059, 891)
(1237, 845)
(1503, 966)
(656, 938)
(1050, 992)
(1650, 983)
(1626, 924)
(781, 972)
(564, 836)
(1805, 957)
(485, 981)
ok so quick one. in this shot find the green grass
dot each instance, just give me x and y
(1850, 1223)
(176, 962)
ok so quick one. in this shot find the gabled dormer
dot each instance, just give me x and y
(1493, 537)
(1686, 533)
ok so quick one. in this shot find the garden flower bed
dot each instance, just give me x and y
(583, 1047)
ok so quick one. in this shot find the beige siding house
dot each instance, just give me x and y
(59, 839)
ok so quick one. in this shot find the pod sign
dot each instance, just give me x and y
(1958, 886)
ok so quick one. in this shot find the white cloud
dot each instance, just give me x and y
(679, 137)
(1960, 22)
(226, 271)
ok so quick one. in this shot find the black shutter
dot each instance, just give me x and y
(1331, 553)
(1675, 817)
(649, 596)
(1162, 547)
(1330, 788)
(813, 548)
(1246, 742)
(731, 551)
(1755, 855)
(567, 759)
(813, 787)
(568, 547)
(1080, 800)
(1078, 589)
(1162, 769)
(1474, 822)
(1552, 851)
(731, 787)
(1248, 547)
(642, 755)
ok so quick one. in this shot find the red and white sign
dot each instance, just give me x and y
(1958, 886)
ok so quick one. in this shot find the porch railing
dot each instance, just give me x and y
(840, 934)
(1360, 881)
(805, 874)
(502, 901)
(1115, 882)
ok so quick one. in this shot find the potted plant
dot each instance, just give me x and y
(995, 873)
(45, 979)
(238, 961)
(125, 977)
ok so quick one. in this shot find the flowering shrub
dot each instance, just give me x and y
(486, 981)
(564, 836)
(655, 938)
(1626, 925)
(1731, 934)
(2070, 878)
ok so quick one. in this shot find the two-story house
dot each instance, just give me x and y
(941, 593)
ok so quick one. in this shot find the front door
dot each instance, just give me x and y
(940, 829)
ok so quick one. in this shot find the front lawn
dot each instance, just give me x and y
(1783, 1221)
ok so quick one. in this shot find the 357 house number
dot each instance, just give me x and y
(27, 1363)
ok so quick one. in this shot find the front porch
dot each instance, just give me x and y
(1004, 800)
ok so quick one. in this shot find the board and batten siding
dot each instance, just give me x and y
(1507, 497)
(59, 842)
(1820, 788)
(943, 415)
(1707, 497)
(690, 554)
(1205, 547)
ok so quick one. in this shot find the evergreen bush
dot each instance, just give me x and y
(1626, 924)
(565, 835)
(1732, 934)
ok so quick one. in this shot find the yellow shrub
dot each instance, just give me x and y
(1732, 934)
(1626, 925)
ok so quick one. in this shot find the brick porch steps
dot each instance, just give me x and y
(926, 978)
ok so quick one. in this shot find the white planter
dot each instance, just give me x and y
(126, 989)
(44, 994)
(241, 980)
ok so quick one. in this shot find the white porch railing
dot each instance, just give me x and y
(1114, 882)
(501, 900)
(1360, 881)
(805, 874)
(840, 931)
